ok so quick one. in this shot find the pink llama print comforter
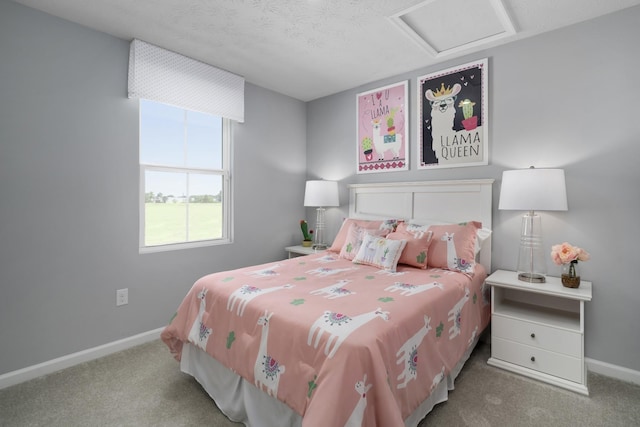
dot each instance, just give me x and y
(340, 343)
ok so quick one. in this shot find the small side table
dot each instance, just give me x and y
(300, 250)
(537, 329)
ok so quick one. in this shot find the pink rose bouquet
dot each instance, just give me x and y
(566, 253)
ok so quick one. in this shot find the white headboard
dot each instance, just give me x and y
(447, 201)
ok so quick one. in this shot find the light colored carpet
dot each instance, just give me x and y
(143, 386)
(487, 396)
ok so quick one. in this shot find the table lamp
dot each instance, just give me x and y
(320, 194)
(532, 190)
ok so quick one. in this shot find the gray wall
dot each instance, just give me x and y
(564, 99)
(69, 193)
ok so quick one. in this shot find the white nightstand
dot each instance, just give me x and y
(299, 250)
(537, 329)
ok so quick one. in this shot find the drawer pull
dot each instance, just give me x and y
(533, 335)
(533, 358)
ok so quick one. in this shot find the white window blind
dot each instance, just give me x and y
(168, 77)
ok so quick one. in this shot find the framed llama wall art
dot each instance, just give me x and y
(453, 120)
(382, 129)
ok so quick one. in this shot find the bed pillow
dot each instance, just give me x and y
(380, 252)
(453, 246)
(354, 239)
(418, 238)
(481, 236)
(386, 225)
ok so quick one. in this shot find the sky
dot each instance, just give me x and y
(172, 136)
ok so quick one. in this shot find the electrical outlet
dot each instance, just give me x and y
(122, 296)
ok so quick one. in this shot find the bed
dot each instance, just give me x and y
(372, 332)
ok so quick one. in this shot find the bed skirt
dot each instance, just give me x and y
(242, 402)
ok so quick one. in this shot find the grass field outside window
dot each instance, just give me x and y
(165, 223)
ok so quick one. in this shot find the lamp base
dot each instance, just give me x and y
(531, 277)
(531, 265)
(318, 241)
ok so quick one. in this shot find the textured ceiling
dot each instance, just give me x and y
(308, 49)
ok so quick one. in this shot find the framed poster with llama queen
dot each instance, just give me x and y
(453, 120)
(382, 129)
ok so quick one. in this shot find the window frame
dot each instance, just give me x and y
(227, 194)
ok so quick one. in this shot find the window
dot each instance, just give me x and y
(184, 178)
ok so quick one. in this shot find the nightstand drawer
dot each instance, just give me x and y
(559, 365)
(535, 335)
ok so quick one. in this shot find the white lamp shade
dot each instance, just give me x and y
(321, 193)
(533, 190)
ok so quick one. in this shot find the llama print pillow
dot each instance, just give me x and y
(418, 239)
(380, 252)
(354, 239)
(387, 226)
(453, 246)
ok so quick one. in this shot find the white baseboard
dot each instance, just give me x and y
(613, 371)
(51, 366)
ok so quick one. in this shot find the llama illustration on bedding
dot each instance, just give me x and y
(325, 271)
(455, 315)
(357, 415)
(199, 333)
(339, 326)
(407, 289)
(266, 370)
(337, 290)
(473, 336)
(418, 231)
(391, 273)
(442, 272)
(453, 262)
(265, 272)
(437, 379)
(408, 354)
(246, 293)
(369, 252)
(325, 259)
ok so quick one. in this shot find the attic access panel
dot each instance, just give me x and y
(442, 27)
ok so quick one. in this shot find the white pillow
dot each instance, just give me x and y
(380, 252)
(354, 240)
(481, 235)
